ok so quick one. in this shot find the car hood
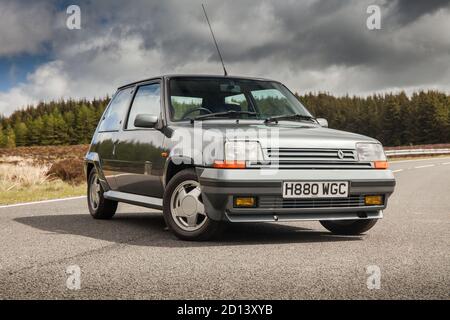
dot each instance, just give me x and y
(283, 134)
(313, 137)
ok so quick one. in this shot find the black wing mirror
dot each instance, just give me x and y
(145, 121)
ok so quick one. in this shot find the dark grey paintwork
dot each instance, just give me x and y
(133, 169)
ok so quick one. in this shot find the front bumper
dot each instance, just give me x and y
(219, 186)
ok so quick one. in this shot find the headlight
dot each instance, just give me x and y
(237, 153)
(370, 152)
(243, 151)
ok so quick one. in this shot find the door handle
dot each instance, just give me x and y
(114, 149)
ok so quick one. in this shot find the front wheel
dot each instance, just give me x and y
(184, 211)
(348, 227)
(99, 207)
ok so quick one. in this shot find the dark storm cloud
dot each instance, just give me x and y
(317, 34)
(310, 45)
(325, 33)
(408, 10)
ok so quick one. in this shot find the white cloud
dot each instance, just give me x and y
(24, 28)
(48, 82)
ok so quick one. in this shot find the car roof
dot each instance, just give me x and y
(168, 76)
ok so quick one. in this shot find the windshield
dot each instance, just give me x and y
(231, 98)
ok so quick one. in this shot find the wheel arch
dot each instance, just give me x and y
(174, 165)
(92, 161)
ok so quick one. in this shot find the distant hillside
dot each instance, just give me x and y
(394, 119)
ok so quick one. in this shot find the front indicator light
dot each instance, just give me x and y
(229, 164)
(373, 200)
(381, 165)
(244, 202)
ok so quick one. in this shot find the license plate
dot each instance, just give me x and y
(315, 189)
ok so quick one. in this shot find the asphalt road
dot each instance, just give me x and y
(132, 256)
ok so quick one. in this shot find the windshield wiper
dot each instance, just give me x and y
(224, 113)
(294, 116)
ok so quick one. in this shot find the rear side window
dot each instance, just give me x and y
(146, 101)
(116, 111)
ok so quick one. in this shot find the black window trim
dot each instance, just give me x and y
(167, 92)
(135, 89)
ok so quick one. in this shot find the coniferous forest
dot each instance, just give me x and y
(394, 119)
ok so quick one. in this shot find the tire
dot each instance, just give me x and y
(182, 208)
(348, 227)
(99, 208)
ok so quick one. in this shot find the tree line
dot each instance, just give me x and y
(62, 122)
(394, 119)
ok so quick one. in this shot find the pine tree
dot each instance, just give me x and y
(10, 138)
(61, 129)
(69, 119)
(35, 129)
(20, 131)
(48, 130)
(2, 137)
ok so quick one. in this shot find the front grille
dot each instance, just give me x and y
(294, 154)
(288, 158)
(276, 202)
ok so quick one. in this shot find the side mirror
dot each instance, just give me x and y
(145, 121)
(322, 122)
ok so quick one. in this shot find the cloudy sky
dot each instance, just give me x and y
(312, 45)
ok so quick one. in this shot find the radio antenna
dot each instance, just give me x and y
(215, 42)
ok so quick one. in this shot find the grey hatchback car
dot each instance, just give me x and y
(207, 150)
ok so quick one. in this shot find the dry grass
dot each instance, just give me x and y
(421, 146)
(45, 155)
(68, 170)
(21, 175)
(25, 183)
(41, 173)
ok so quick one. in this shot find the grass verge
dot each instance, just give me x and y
(45, 191)
(33, 176)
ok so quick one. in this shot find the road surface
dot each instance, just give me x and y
(132, 256)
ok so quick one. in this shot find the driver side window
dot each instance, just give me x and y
(146, 101)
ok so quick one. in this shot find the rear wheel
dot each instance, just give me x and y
(348, 227)
(99, 207)
(184, 211)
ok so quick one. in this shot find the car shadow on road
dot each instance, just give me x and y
(148, 229)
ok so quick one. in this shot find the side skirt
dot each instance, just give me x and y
(143, 201)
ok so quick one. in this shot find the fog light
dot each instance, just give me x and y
(245, 202)
(373, 200)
